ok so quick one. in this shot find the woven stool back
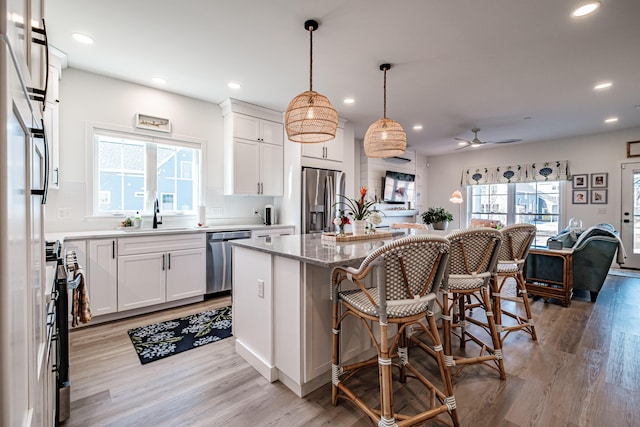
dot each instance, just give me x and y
(516, 241)
(474, 250)
(413, 265)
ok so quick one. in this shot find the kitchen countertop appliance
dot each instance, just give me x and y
(219, 260)
(269, 215)
(320, 191)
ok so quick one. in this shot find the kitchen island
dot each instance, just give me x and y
(282, 309)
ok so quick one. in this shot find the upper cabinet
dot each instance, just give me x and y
(51, 119)
(253, 145)
(331, 150)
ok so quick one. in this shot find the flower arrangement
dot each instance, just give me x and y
(359, 209)
(340, 221)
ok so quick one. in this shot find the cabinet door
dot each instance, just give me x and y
(313, 150)
(333, 148)
(102, 279)
(246, 167)
(246, 127)
(271, 132)
(141, 280)
(272, 169)
(186, 275)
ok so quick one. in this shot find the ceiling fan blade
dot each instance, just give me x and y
(463, 147)
(463, 140)
(502, 141)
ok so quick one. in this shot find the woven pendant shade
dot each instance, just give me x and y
(385, 137)
(310, 117)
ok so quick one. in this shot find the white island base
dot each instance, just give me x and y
(282, 316)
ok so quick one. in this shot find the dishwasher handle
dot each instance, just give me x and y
(228, 235)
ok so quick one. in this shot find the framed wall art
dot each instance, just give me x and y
(580, 197)
(599, 197)
(633, 149)
(581, 181)
(153, 123)
(599, 180)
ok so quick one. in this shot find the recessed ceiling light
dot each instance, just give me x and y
(586, 9)
(611, 120)
(603, 85)
(462, 143)
(82, 38)
(159, 81)
(417, 127)
(233, 85)
(349, 100)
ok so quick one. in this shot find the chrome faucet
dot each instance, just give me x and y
(156, 211)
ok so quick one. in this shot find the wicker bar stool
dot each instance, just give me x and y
(405, 275)
(516, 241)
(472, 260)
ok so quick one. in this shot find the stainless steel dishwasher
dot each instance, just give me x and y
(219, 259)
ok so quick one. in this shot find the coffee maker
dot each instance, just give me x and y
(269, 215)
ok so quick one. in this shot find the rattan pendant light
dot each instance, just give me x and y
(385, 137)
(310, 117)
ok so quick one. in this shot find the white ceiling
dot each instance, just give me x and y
(457, 64)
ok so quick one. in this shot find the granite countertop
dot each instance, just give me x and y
(310, 248)
(133, 232)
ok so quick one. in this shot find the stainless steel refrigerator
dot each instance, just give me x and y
(320, 201)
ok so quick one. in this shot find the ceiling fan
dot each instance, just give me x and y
(475, 142)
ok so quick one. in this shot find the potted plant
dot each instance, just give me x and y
(358, 209)
(438, 217)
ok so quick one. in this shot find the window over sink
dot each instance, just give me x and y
(132, 170)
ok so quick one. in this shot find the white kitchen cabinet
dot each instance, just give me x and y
(331, 150)
(102, 279)
(253, 150)
(255, 129)
(186, 273)
(156, 269)
(51, 120)
(141, 280)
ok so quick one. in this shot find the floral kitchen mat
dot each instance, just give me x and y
(165, 339)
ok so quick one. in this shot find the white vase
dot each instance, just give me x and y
(358, 227)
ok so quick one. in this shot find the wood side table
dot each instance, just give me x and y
(558, 285)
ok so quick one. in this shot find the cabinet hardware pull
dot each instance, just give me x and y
(40, 95)
(57, 181)
(113, 249)
(169, 257)
(162, 262)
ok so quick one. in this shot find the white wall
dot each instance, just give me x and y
(587, 154)
(90, 97)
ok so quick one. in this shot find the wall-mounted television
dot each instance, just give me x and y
(398, 187)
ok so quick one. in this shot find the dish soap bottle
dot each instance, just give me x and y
(137, 220)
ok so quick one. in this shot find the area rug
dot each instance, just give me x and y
(164, 339)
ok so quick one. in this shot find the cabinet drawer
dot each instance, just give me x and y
(150, 244)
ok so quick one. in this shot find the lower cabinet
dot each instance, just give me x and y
(103, 269)
(147, 276)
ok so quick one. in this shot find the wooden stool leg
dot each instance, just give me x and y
(497, 346)
(384, 367)
(496, 288)
(335, 360)
(527, 308)
(445, 374)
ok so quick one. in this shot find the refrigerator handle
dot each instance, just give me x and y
(329, 201)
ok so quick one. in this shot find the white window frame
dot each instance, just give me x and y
(93, 128)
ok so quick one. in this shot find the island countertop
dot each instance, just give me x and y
(312, 249)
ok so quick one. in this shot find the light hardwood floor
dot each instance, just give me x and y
(583, 371)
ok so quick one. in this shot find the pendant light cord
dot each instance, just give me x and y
(310, 59)
(385, 95)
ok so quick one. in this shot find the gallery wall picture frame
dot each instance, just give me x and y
(633, 149)
(599, 197)
(580, 197)
(581, 181)
(599, 180)
(144, 121)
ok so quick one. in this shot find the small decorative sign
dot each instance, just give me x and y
(159, 124)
